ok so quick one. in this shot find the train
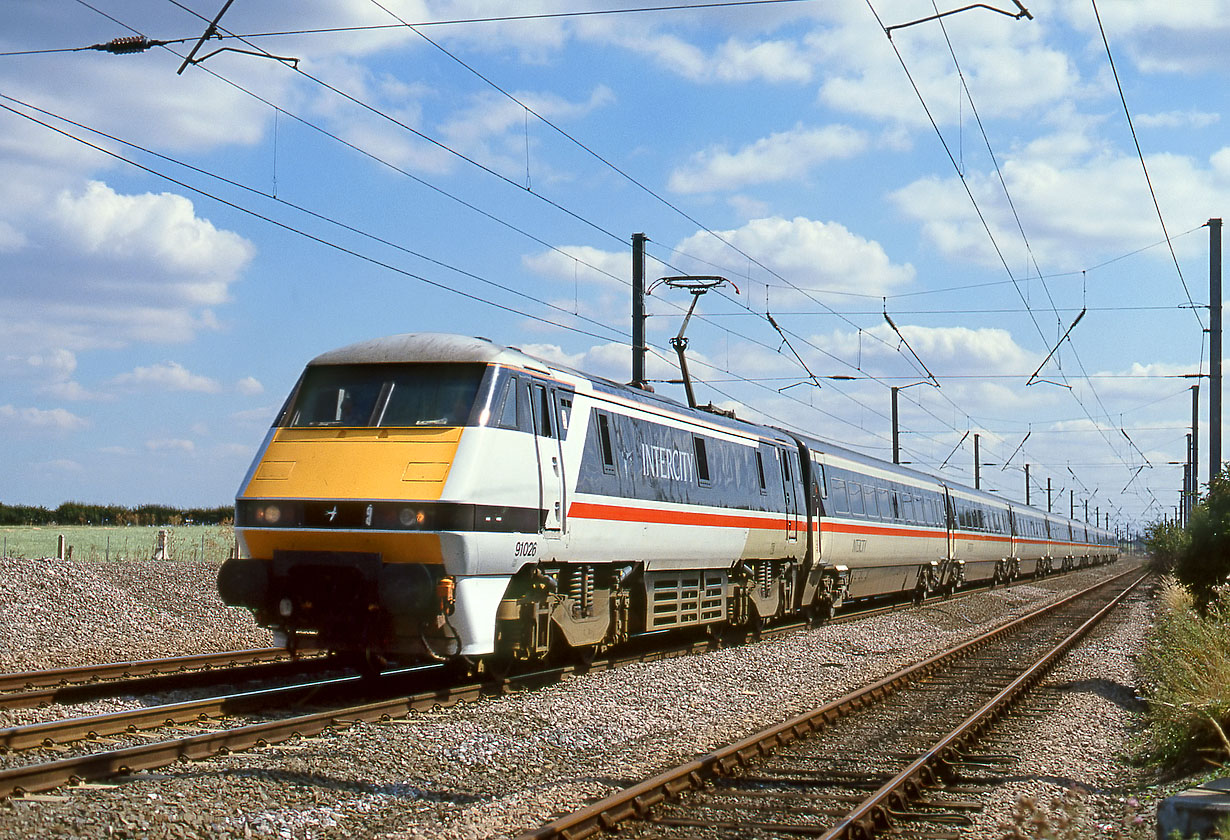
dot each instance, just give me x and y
(430, 497)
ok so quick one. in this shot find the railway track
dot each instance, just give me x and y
(231, 672)
(886, 756)
(336, 702)
(138, 667)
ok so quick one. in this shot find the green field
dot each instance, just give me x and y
(212, 543)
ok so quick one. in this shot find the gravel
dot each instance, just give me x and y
(503, 765)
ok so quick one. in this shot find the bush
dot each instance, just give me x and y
(1167, 543)
(1204, 563)
(1186, 675)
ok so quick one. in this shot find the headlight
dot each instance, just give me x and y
(411, 518)
(272, 514)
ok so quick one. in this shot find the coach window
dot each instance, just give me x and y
(760, 471)
(702, 460)
(907, 508)
(604, 442)
(896, 502)
(837, 495)
(856, 497)
(886, 508)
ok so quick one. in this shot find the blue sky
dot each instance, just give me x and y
(485, 178)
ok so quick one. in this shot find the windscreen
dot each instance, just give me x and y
(385, 395)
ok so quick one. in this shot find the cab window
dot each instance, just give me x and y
(385, 395)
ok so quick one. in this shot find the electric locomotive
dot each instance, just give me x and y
(440, 497)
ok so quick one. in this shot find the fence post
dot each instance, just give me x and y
(162, 545)
(59, 546)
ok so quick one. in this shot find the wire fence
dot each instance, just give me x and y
(189, 543)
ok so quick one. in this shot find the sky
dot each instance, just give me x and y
(1002, 216)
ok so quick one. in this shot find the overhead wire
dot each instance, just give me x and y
(416, 178)
(601, 158)
(358, 102)
(1140, 154)
(481, 166)
(981, 215)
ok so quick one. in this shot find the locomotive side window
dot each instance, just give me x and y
(542, 411)
(386, 395)
(604, 442)
(508, 413)
(702, 461)
(565, 412)
(760, 471)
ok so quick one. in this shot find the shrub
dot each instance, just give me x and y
(1167, 542)
(1204, 563)
(1186, 674)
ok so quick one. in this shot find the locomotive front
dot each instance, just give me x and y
(351, 523)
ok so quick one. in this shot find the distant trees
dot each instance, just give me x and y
(79, 513)
(1198, 554)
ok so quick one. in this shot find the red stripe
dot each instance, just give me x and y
(830, 527)
(666, 516)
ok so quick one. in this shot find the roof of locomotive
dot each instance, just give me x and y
(421, 347)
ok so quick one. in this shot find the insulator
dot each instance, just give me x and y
(131, 44)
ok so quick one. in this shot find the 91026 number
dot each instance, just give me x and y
(525, 549)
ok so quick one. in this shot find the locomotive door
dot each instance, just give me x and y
(550, 458)
(790, 469)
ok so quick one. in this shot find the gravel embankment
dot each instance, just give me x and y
(502, 765)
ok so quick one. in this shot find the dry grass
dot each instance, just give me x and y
(1186, 672)
(208, 543)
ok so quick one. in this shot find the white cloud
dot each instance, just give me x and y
(161, 229)
(736, 60)
(954, 350)
(262, 416)
(122, 451)
(812, 255)
(1159, 35)
(170, 445)
(70, 390)
(249, 386)
(611, 361)
(1177, 119)
(54, 419)
(582, 263)
(781, 156)
(103, 269)
(1008, 68)
(492, 128)
(167, 376)
(1071, 211)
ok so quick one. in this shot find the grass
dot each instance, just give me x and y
(1186, 674)
(211, 543)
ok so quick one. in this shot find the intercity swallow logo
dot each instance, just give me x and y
(332, 514)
